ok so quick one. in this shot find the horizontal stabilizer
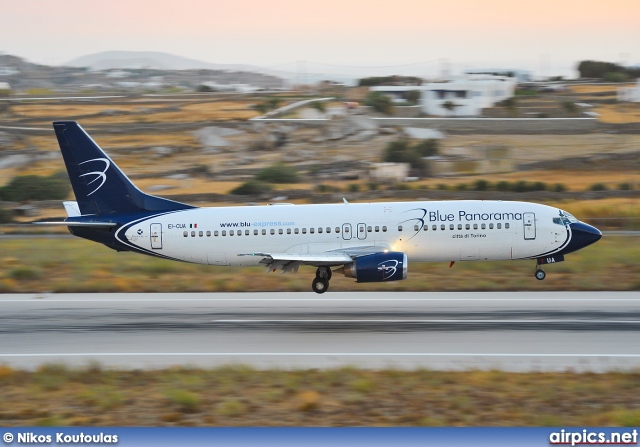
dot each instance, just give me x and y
(79, 224)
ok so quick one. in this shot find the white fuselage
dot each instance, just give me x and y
(425, 231)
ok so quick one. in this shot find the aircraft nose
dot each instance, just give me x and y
(583, 235)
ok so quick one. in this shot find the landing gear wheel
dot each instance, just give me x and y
(540, 274)
(320, 285)
(324, 273)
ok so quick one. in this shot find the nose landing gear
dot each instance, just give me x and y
(321, 282)
(540, 274)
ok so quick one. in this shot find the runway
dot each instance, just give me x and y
(512, 331)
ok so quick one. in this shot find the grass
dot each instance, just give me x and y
(241, 396)
(82, 266)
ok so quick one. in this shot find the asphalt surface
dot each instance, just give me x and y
(519, 331)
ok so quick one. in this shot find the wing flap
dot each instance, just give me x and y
(287, 262)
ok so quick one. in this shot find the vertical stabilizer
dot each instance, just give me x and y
(99, 185)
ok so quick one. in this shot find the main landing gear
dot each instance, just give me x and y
(321, 282)
(540, 274)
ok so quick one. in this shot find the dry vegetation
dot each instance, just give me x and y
(241, 396)
(83, 266)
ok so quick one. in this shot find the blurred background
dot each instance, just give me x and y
(363, 101)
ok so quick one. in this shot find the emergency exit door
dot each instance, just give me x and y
(156, 236)
(529, 220)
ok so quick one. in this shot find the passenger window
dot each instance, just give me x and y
(272, 231)
(337, 229)
(484, 226)
(304, 231)
(193, 234)
(215, 233)
(246, 232)
(369, 229)
(264, 231)
(255, 232)
(296, 231)
(499, 226)
(239, 232)
(434, 228)
(506, 225)
(377, 229)
(467, 226)
(475, 226)
(491, 226)
(416, 228)
(452, 227)
(288, 230)
(346, 229)
(280, 231)
(224, 232)
(425, 228)
(200, 233)
(312, 230)
(328, 229)
(399, 227)
(319, 229)
(208, 233)
(230, 232)
(459, 226)
(384, 228)
(185, 234)
(442, 227)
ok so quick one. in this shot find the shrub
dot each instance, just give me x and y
(354, 187)
(35, 187)
(379, 102)
(322, 188)
(400, 151)
(5, 216)
(251, 187)
(559, 187)
(624, 186)
(503, 186)
(320, 106)
(278, 173)
(427, 148)
(481, 185)
(538, 186)
(598, 187)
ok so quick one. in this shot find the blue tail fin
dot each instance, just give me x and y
(99, 185)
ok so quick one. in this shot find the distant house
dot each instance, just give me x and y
(520, 75)
(389, 172)
(5, 88)
(629, 94)
(9, 71)
(461, 96)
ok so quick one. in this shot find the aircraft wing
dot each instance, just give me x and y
(291, 261)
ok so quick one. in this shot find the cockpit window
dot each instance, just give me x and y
(564, 219)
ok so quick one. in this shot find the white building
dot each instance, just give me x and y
(520, 75)
(629, 94)
(462, 96)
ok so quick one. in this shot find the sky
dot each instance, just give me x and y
(429, 37)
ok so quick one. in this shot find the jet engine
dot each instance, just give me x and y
(379, 267)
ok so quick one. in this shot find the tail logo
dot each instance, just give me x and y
(98, 175)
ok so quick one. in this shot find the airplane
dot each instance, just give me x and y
(369, 242)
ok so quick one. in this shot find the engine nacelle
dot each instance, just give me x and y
(379, 267)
